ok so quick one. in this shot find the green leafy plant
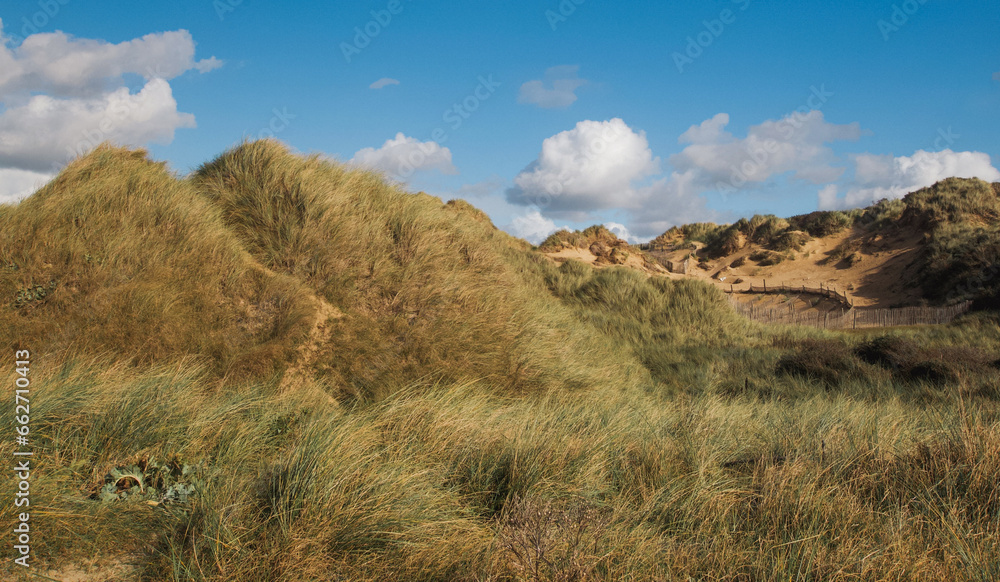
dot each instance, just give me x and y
(33, 293)
(169, 482)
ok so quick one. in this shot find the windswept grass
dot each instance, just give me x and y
(442, 483)
(136, 263)
(225, 265)
(476, 412)
(428, 294)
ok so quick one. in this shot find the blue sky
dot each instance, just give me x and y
(639, 115)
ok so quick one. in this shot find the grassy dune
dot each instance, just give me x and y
(476, 412)
(958, 259)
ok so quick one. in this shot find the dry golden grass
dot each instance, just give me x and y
(493, 417)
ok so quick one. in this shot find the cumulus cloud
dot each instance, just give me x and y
(205, 65)
(603, 165)
(600, 166)
(46, 130)
(670, 201)
(64, 66)
(556, 91)
(828, 197)
(885, 176)
(60, 96)
(795, 143)
(383, 82)
(18, 184)
(401, 156)
(621, 231)
(533, 227)
(590, 167)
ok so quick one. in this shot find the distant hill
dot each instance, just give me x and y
(938, 245)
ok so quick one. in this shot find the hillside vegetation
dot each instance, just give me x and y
(280, 368)
(957, 219)
(228, 265)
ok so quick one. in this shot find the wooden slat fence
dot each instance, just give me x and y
(828, 292)
(852, 318)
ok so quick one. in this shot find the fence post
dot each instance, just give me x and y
(855, 317)
(765, 285)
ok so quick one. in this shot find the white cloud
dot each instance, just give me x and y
(828, 197)
(47, 130)
(885, 176)
(602, 165)
(670, 201)
(60, 96)
(796, 144)
(61, 65)
(533, 227)
(562, 83)
(587, 168)
(620, 230)
(210, 64)
(383, 82)
(710, 131)
(17, 184)
(401, 156)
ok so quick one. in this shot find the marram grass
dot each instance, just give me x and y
(472, 413)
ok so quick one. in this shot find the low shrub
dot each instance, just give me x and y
(887, 351)
(790, 240)
(826, 361)
(766, 258)
(822, 223)
(910, 362)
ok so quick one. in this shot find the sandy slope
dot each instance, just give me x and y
(880, 278)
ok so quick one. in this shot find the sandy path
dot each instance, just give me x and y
(307, 353)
